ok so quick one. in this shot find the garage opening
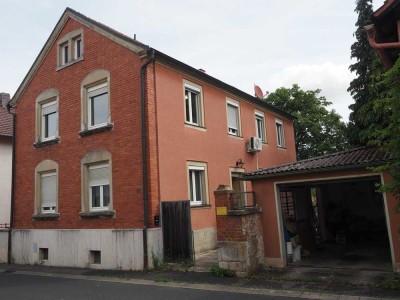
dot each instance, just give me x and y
(336, 224)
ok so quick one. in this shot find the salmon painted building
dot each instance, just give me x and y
(107, 129)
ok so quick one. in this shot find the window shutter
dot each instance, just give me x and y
(49, 190)
(49, 109)
(98, 175)
(232, 116)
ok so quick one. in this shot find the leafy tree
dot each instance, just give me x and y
(363, 88)
(318, 130)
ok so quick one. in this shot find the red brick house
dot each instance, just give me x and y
(107, 128)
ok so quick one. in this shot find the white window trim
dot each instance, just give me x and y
(52, 208)
(43, 123)
(236, 104)
(89, 103)
(264, 134)
(198, 166)
(197, 89)
(102, 207)
(46, 167)
(279, 122)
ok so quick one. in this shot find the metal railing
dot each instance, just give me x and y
(243, 200)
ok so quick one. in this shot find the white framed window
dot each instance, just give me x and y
(97, 105)
(99, 187)
(233, 118)
(95, 102)
(280, 135)
(48, 192)
(46, 189)
(260, 126)
(197, 181)
(46, 119)
(49, 120)
(193, 114)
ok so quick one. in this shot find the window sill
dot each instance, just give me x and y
(198, 127)
(47, 143)
(97, 214)
(104, 128)
(49, 216)
(200, 206)
(69, 63)
(282, 147)
(235, 136)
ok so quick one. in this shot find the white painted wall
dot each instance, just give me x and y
(3, 245)
(5, 179)
(120, 249)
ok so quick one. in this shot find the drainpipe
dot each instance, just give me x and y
(9, 257)
(371, 32)
(144, 157)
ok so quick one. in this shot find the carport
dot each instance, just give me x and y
(329, 205)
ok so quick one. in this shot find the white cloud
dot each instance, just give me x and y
(332, 79)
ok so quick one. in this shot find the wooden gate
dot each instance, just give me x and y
(177, 230)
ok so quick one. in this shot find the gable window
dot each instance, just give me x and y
(49, 120)
(98, 105)
(280, 138)
(96, 181)
(99, 187)
(95, 103)
(197, 183)
(78, 47)
(46, 127)
(233, 118)
(260, 126)
(46, 190)
(193, 104)
(70, 48)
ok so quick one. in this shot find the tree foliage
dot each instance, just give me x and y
(318, 130)
(387, 135)
(363, 88)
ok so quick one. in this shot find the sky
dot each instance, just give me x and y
(271, 43)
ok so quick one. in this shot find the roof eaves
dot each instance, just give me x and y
(162, 57)
(316, 170)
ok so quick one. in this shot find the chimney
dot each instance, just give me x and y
(4, 99)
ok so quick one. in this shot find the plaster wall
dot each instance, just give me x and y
(120, 249)
(179, 142)
(5, 178)
(3, 245)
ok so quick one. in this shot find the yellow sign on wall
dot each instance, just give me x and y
(222, 211)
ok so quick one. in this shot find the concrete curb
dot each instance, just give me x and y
(205, 287)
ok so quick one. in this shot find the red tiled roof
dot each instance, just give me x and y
(350, 159)
(6, 123)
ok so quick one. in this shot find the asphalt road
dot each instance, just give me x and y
(21, 286)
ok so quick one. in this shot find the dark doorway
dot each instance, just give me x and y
(177, 230)
(339, 223)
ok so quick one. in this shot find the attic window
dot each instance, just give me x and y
(70, 48)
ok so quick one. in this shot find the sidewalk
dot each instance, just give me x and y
(307, 283)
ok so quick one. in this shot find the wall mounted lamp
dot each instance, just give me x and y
(239, 163)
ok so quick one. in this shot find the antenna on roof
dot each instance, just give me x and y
(134, 36)
(258, 92)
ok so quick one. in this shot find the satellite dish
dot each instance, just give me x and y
(258, 92)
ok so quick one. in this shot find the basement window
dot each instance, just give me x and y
(95, 257)
(44, 253)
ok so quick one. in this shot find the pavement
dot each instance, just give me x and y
(303, 282)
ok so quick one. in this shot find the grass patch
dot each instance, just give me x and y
(221, 272)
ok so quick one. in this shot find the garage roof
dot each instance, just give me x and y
(350, 159)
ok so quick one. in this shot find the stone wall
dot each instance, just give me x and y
(239, 235)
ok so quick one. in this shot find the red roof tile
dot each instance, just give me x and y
(6, 123)
(350, 159)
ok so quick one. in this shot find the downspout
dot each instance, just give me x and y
(144, 158)
(9, 256)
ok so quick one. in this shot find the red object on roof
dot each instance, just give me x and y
(258, 92)
(6, 123)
